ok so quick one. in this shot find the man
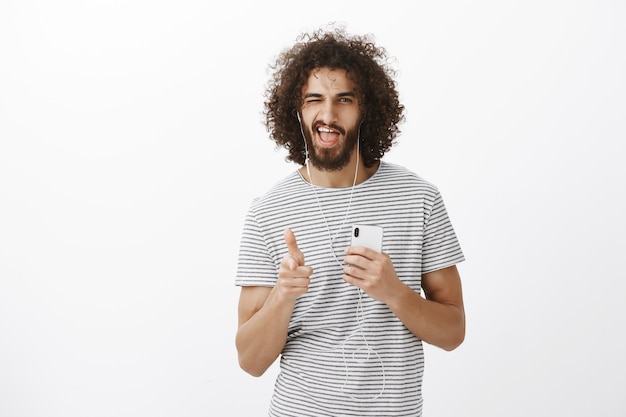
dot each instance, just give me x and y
(347, 321)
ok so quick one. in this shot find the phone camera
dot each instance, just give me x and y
(356, 232)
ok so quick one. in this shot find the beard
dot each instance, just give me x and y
(326, 159)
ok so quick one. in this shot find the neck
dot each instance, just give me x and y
(338, 179)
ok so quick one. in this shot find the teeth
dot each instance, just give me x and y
(324, 129)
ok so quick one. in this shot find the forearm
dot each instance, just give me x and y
(260, 340)
(436, 323)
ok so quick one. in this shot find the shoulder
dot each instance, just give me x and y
(394, 175)
(279, 192)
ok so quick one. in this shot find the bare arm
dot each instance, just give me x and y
(438, 319)
(262, 331)
(265, 312)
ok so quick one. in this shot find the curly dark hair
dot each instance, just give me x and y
(366, 65)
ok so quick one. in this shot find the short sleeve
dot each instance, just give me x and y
(441, 246)
(255, 265)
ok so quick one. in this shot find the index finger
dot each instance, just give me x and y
(292, 246)
(362, 250)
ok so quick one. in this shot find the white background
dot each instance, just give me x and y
(131, 144)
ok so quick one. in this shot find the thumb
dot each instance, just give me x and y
(292, 246)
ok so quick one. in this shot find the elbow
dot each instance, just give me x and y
(250, 360)
(252, 363)
(455, 340)
(453, 343)
(251, 368)
(456, 336)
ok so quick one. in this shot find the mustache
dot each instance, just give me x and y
(332, 126)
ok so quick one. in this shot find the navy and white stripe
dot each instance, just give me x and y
(333, 363)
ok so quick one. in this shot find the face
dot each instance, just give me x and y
(330, 118)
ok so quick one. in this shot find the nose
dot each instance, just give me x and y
(328, 112)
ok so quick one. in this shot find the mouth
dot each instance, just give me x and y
(327, 135)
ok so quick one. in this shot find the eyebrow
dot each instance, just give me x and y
(345, 94)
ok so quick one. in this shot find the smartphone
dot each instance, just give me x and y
(368, 236)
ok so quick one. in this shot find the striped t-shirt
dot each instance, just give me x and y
(347, 354)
